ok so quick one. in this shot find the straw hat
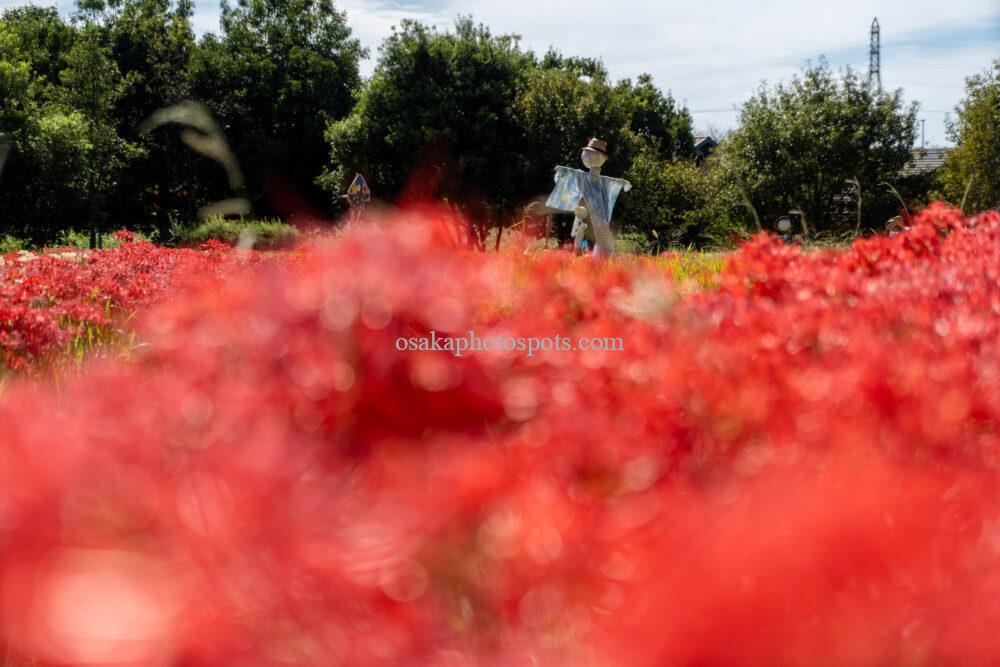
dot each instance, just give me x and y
(597, 145)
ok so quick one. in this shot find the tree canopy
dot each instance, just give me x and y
(59, 89)
(971, 172)
(277, 74)
(801, 146)
(458, 114)
(472, 117)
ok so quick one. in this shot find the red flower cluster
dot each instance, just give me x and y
(50, 299)
(799, 467)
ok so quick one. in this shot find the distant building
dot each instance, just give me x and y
(703, 147)
(925, 161)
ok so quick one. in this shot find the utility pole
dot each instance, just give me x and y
(875, 57)
(922, 128)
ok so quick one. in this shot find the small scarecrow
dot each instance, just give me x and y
(896, 225)
(358, 194)
(590, 196)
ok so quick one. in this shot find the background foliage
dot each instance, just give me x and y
(461, 115)
(799, 145)
(975, 129)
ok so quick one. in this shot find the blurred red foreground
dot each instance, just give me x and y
(799, 468)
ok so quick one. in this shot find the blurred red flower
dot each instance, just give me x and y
(799, 467)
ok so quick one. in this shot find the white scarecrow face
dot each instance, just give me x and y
(592, 158)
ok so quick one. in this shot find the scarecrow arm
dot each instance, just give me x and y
(537, 208)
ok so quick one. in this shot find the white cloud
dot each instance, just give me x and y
(712, 53)
(372, 21)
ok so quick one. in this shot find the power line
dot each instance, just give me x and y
(922, 67)
(936, 45)
(923, 84)
(749, 86)
(874, 74)
(761, 63)
(965, 21)
(716, 47)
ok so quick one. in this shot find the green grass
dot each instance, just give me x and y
(91, 340)
(700, 268)
(261, 234)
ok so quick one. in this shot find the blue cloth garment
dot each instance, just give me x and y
(597, 193)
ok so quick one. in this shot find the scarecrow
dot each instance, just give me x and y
(357, 196)
(590, 196)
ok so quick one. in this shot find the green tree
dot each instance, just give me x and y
(34, 42)
(281, 70)
(19, 115)
(51, 176)
(59, 88)
(567, 101)
(151, 42)
(679, 203)
(39, 36)
(657, 120)
(436, 116)
(16, 102)
(471, 117)
(799, 145)
(34, 142)
(44, 182)
(560, 109)
(974, 162)
(93, 85)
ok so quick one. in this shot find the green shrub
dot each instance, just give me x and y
(676, 204)
(71, 238)
(265, 234)
(10, 243)
(633, 243)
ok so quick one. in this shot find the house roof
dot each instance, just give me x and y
(703, 144)
(925, 160)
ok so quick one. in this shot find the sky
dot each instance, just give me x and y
(711, 55)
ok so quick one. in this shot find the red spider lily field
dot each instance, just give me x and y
(68, 303)
(793, 461)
